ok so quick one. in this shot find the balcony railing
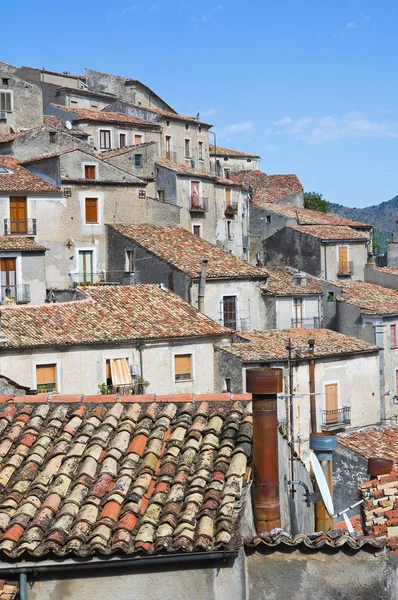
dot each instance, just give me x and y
(198, 204)
(245, 241)
(127, 389)
(307, 323)
(18, 293)
(19, 226)
(102, 278)
(345, 268)
(231, 208)
(170, 155)
(333, 419)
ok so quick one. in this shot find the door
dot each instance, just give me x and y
(229, 311)
(228, 197)
(86, 267)
(195, 202)
(298, 312)
(138, 139)
(168, 147)
(8, 277)
(332, 402)
(343, 259)
(18, 215)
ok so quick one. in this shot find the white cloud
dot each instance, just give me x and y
(268, 131)
(351, 25)
(129, 9)
(207, 16)
(208, 113)
(284, 121)
(236, 128)
(270, 148)
(351, 125)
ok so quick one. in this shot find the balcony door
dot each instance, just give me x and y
(18, 215)
(195, 193)
(168, 147)
(331, 402)
(86, 267)
(343, 259)
(229, 311)
(297, 312)
(8, 268)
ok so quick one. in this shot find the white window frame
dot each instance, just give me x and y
(90, 164)
(126, 260)
(179, 352)
(110, 137)
(126, 133)
(200, 229)
(100, 210)
(39, 361)
(11, 93)
(189, 148)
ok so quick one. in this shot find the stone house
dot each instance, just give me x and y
(72, 224)
(173, 257)
(106, 130)
(293, 299)
(346, 377)
(22, 270)
(224, 161)
(21, 103)
(50, 81)
(326, 251)
(81, 98)
(110, 337)
(368, 312)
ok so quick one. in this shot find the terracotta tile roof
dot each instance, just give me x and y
(168, 115)
(219, 151)
(24, 244)
(271, 344)
(49, 121)
(330, 232)
(8, 590)
(280, 283)
(22, 180)
(185, 170)
(380, 441)
(371, 298)
(87, 114)
(380, 509)
(333, 539)
(304, 216)
(109, 315)
(268, 188)
(185, 251)
(389, 270)
(125, 150)
(93, 478)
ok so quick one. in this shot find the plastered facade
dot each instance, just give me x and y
(26, 102)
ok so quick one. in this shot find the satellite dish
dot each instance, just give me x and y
(322, 484)
(68, 125)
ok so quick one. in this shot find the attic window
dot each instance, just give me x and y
(249, 160)
(53, 137)
(187, 126)
(167, 123)
(330, 296)
(5, 81)
(4, 171)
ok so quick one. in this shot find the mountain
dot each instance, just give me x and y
(382, 216)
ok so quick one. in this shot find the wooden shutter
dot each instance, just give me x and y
(393, 336)
(89, 171)
(343, 259)
(182, 366)
(331, 402)
(45, 374)
(228, 196)
(91, 210)
(137, 139)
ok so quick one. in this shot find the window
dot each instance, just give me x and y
(161, 195)
(91, 210)
(343, 266)
(6, 101)
(228, 197)
(229, 230)
(46, 380)
(89, 171)
(95, 106)
(67, 192)
(230, 311)
(141, 194)
(86, 267)
(168, 147)
(118, 375)
(129, 256)
(196, 230)
(393, 336)
(187, 126)
(122, 140)
(182, 367)
(105, 139)
(53, 137)
(73, 101)
(137, 139)
(138, 160)
(200, 128)
(5, 81)
(187, 149)
(268, 219)
(227, 385)
(330, 296)
(225, 159)
(227, 173)
(297, 312)
(167, 123)
(249, 160)
(331, 402)
(200, 150)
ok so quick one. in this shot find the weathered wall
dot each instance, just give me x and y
(349, 471)
(378, 277)
(357, 253)
(126, 161)
(27, 103)
(37, 143)
(392, 254)
(296, 200)
(288, 247)
(206, 219)
(162, 213)
(34, 274)
(284, 311)
(233, 164)
(238, 222)
(167, 180)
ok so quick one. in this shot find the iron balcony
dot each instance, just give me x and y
(19, 293)
(345, 268)
(336, 419)
(231, 208)
(306, 323)
(19, 226)
(102, 278)
(198, 204)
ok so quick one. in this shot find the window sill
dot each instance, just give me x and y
(183, 380)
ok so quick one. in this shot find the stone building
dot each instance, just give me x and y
(224, 161)
(174, 257)
(21, 104)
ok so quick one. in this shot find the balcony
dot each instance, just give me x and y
(198, 204)
(102, 278)
(19, 226)
(18, 293)
(128, 389)
(307, 323)
(336, 419)
(231, 208)
(345, 268)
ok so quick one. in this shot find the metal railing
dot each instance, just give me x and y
(19, 226)
(345, 268)
(336, 418)
(231, 208)
(306, 323)
(170, 155)
(102, 278)
(238, 321)
(245, 241)
(18, 293)
(127, 389)
(198, 203)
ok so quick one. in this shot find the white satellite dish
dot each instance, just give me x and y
(68, 125)
(322, 485)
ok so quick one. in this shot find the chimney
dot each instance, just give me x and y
(264, 385)
(202, 284)
(371, 262)
(300, 279)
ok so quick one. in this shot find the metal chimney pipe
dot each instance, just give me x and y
(202, 284)
(264, 385)
(311, 347)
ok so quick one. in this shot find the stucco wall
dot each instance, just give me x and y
(288, 247)
(27, 102)
(162, 213)
(126, 161)
(233, 164)
(37, 143)
(284, 309)
(357, 253)
(378, 277)
(239, 222)
(349, 471)
(34, 274)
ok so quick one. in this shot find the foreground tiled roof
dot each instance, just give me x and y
(380, 441)
(268, 188)
(125, 150)
(371, 298)
(90, 479)
(330, 232)
(22, 180)
(280, 283)
(187, 170)
(185, 251)
(24, 244)
(271, 344)
(219, 151)
(8, 590)
(333, 539)
(305, 216)
(87, 114)
(380, 509)
(389, 270)
(109, 315)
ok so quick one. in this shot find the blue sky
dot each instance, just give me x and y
(310, 86)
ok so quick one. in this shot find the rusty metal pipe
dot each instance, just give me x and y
(265, 384)
(323, 522)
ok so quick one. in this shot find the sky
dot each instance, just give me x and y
(308, 85)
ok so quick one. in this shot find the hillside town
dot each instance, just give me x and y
(179, 338)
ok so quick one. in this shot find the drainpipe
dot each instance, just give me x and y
(379, 341)
(139, 348)
(202, 284)
(23, 586)
(311, 350)
(264, 385)
(326, 262)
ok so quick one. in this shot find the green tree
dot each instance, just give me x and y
(315, 201)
